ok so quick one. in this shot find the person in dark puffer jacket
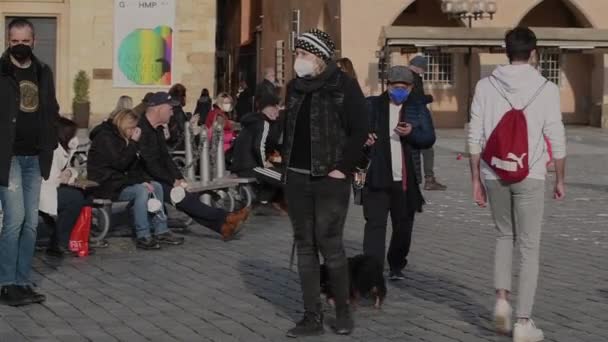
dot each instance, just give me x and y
(114, 163)
(426, 157)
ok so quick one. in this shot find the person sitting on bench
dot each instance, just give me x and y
(255, 147)
(157, 163)
(60, 202)
(114, 163)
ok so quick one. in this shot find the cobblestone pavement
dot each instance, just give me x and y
(208, 290)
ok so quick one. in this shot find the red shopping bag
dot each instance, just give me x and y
(79, 239)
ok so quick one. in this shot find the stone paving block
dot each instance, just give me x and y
(208, 290)
(125, 333)
(8, 333)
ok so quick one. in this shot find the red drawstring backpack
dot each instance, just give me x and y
(79, 239)
(506, 151)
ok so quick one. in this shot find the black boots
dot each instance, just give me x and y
(312, 322)
(340, 286)
(310, 325)
(14, 295)
(344, 321)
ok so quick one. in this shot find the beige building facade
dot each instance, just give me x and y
(80, 35)
(581, 77)
(357, 26)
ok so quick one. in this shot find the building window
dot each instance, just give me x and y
(549, 67)
(440, 69)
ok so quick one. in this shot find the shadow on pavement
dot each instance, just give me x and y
(273, 284)
(588, 186)
(603, 293)
(441, 290)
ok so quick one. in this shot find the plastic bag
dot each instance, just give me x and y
(79, 239)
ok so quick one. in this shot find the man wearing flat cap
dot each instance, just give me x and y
(391, 183)
(159, 165)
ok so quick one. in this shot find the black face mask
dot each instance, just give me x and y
(21, 52)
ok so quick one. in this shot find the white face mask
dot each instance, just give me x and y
(178, 194)
(154, 205)
(303, 67)
(226, 107)
(73, 144)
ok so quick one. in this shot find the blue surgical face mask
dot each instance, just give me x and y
(399, 95)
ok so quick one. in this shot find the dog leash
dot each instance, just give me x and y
(293, 253)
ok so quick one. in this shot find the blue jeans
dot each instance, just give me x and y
(20, 201)
(145, 223)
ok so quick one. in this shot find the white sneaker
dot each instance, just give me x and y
(502, 316)
(527, 332)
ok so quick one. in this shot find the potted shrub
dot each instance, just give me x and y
(81, 106)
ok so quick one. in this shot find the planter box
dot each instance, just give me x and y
(82, 113)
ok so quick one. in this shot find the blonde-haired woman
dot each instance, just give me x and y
(124, 102)
(224, 104)
(114, 163)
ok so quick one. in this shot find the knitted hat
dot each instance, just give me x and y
(318, 43)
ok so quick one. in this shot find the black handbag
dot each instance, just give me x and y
(359, 183)
(360, 175)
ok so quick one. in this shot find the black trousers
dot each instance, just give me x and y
(376, 207)
(212, 218)
(269, 187)
(70, 201)
(317, 207)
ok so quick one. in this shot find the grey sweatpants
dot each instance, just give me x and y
(518, 213)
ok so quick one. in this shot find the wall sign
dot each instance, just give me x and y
(143, 43)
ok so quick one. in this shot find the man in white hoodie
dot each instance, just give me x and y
(517, 208)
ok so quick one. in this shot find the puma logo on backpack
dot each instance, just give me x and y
(506, 151)
(509, 165)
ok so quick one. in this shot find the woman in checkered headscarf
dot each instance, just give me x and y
(325, 129)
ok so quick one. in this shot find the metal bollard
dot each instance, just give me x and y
(190, 174)
(204, 153)
(218, 132)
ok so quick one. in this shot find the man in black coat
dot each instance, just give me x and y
(157, 163)
(28, 115)
(244, 100)
(391, 185)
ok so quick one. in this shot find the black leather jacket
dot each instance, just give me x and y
(338, 122)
